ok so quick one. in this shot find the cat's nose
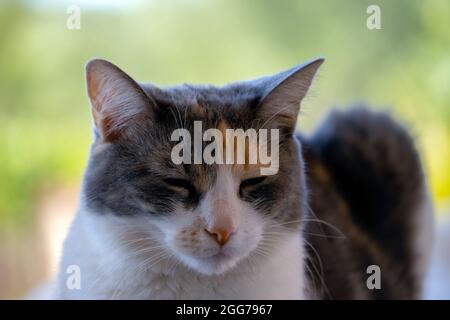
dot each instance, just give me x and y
(221, 221)
(220, 235)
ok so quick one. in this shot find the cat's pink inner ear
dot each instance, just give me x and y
(119, 105)
(93, 93)
(282, 104)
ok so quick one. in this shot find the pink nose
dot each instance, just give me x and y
(220, 235)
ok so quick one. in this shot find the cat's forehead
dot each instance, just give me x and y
(211, 97)
(221, 108)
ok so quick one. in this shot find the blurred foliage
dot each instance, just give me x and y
(44, 115)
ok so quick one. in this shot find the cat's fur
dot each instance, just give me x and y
(366, 167)
(310, 231)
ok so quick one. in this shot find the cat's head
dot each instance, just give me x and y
(207, 216)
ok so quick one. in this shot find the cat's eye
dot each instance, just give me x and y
(180, 184)
(250, 182)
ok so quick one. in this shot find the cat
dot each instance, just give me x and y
(352, 194)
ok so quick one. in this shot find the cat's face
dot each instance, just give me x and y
(207, 216)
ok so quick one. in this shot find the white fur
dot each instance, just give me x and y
(437, 281)
(423, 237)
(145, 257)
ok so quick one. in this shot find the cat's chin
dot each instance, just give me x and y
(217, 264)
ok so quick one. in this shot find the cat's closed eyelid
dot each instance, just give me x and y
(180, 183)
(252, 182)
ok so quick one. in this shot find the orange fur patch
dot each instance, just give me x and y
(245, 169)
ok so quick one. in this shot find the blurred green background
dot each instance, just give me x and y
(45, 124)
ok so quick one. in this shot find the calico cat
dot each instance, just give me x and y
(351, 195)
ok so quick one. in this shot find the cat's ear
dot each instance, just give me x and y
(119, 105)
(284, 92)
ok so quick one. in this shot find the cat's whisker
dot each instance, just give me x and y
(178, 125)
(311, 212)
(131, 241)
(312, 276)
(274, 115)
(309, 220)
(321, 275)
(147, 250)
(141, 268)
(323, 235)
(176, 263)
(316, 253)
(283, 229)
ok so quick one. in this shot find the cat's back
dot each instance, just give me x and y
(369, 207)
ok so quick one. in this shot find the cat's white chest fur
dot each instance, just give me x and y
(108, 273)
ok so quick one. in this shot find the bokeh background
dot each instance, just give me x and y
(45, 124)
